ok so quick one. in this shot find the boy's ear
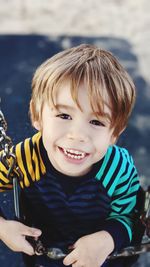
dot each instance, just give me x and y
(35, 122)
(113, 140)
(36, 125)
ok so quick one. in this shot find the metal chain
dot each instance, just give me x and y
(5, 141)
(8, 159)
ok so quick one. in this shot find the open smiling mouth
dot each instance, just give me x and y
(74, 154)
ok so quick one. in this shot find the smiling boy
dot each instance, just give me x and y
(79, 188)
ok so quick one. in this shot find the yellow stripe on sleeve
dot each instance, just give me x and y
(21, 165)
(29, 159)
(42, 166)
(4, 179)
(37, 171)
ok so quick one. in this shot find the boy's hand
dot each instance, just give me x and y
(91, 250)
(14, 233)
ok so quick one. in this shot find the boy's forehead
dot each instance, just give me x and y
(63, 94)
(65, 100)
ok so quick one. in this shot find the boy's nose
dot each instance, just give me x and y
(79, 135)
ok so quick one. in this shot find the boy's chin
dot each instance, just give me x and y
(75, 173)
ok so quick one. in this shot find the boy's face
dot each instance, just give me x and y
(74, 139)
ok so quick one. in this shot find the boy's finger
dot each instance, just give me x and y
(28, 249)
(70, 258)
(28, 231)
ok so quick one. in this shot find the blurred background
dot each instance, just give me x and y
(33, 30)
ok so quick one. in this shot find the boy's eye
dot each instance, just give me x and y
(97, 123)
(64, 116)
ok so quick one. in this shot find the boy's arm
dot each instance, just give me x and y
(120, 221)
(29, 161)
(13, 233)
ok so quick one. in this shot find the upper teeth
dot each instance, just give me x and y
(74, 153)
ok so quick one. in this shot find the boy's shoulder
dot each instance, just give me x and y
(117, 166)
(120, 152)
(30, 142)
(29, 158)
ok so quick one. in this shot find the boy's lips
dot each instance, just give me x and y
(73, 153)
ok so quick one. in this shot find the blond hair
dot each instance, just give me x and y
(102, 75)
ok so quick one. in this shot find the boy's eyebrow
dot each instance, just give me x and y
(104, 114)
(59, 106)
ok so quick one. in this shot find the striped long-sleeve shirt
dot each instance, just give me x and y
(66, 208)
